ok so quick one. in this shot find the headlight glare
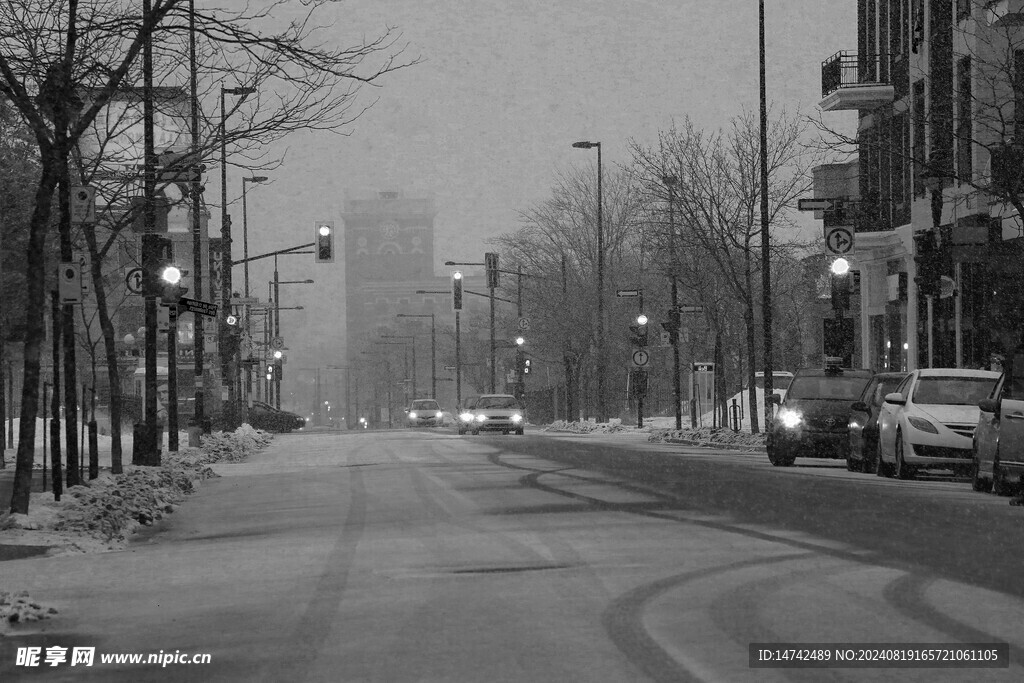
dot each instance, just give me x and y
(481, 418)
(516, 417)
(412, 415)
(790, 418)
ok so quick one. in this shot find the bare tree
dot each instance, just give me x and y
(62, 63)
(718, 201)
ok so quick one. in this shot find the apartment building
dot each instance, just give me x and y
(934, 196)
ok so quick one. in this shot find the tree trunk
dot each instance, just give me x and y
(109, 345)
(570, 404)
(35, 280)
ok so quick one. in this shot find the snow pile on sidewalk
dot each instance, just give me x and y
(585, 427)
(21, 608)
(102, 513)
(706, 436)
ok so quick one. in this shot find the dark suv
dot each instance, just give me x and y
(813, 420)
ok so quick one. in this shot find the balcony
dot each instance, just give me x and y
(849, 81)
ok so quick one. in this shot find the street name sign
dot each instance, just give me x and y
(244, 300)
(200, 307)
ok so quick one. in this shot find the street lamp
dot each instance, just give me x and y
(600, 284)
(245, 256)
(225, 234)
(433, 349)
(670, 182)
(274, 285)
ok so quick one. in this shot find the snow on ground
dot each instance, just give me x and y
(102, 513)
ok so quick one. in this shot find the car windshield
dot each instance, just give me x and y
(424, 405)
(779, 382)
(497, 402)
(952, 391)
(828, 387)
(883, 387)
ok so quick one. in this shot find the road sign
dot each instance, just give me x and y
(640, 358)
(524, 324)
(816, 204)
(277, 343)
(133, 280)
(200, 307)
(244, 300)
(450, 368)
(691, 309)
(83, 205)
(839, 240)
(70, 283)
(627, 292)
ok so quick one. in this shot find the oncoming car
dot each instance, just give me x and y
(424, 412)
(464, 419)
(813, 419)
(929, 421)
(498, 413)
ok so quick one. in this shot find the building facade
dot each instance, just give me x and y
(931, 200)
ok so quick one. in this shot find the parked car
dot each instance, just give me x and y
(424, 412)
(498, 412)
(813, 418)
(267, 417)
(998, 445)
(863, 455)
(930, 420)
(465, 416)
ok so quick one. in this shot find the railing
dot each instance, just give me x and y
(847, 69)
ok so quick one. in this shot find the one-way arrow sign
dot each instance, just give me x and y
(200, 307)
(816, 204)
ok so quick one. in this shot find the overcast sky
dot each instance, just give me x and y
(486, 121)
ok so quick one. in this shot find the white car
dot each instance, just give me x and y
(929, 421)
(497, 412)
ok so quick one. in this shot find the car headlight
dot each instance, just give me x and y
(412, 415)
(481, 418)
(790, 418)
(439, 414)
(466, 417)
(922, 424)
(516, 417)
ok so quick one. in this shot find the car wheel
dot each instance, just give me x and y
(519, 432)
(903, 470)
(778, 457)
(868, 463)
(852, 465)
(1000, 486)
(504, 432)
(979, 483)
(476, 432)
(882, 469)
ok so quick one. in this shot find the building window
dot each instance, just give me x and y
(964, 122)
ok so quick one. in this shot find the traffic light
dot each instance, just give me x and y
(841, 284)
(270, 370)
(926, 258)
(156, 258)
(278, 370)
(491, 267)
(324, 242)
(526, 366)
(638, 331)
(171, 289)
(456, 291)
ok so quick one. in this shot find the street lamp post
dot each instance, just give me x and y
(245, 256)
(601, 412)
(225, 234)
(674, 318)
(766, 278)
(276, 284)
(433, 349)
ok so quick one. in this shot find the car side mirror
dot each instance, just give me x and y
(895, 399)
(775, 398)
(860, 407)
(989, 405)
